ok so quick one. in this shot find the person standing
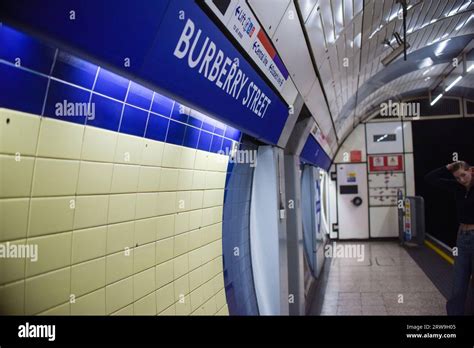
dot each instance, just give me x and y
(458, 177)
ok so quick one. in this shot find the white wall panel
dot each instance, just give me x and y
(384, 146)
(410, 174)
(355, 141)
(407, 137)
(386, 179)
(383, 222)
(332, 203)
(353, 220)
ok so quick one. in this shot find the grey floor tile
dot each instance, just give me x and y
(346, 310)
(372, 287)
(349, 295)
(374, 310)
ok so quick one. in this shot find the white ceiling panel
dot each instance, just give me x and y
(356, 30)
(307, 7)
(269, 13)
(289, 92)
(314, 29)
(318, 108)
(290, 42)
(338, 16)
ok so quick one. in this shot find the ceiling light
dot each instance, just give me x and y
(357, 40)
(442, 45)
(459, 9)
(453, 83)
(436, 99)
(392, 17)
(470, 68)
(376, 31)
(465, 6)
(427, 62)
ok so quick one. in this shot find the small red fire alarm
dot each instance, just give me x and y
(356, 156)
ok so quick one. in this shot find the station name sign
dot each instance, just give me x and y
(202, 55)
(197, 63)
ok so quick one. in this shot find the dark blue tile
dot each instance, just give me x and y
(232, 133)
(179, 113)
(218, 131)
(216, 143)
(227, 181)
(194, 122)
(111, 85)
(68, 103)
(33, 54)
(175, 133)
(133, 121)
(191, 137)
(204, 141)
(21, 90)
(162, 105)
(208, 127)
(139, 96)
(74, 70)
(107, 113)
(230, 167)
(156, 127)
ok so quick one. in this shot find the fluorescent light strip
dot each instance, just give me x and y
(397, 14)
(376, 31)
(470, 68)
(467, 21)
(453, 83)
(427, 70)
(436, 99)
(459, 9)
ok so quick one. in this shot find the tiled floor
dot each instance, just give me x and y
(386, 282)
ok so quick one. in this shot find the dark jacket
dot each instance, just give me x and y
(442, 177)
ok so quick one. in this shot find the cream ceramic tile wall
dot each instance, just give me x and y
(123, 225)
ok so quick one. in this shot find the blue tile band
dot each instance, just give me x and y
(39, 79)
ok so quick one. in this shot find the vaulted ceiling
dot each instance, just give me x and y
(335, 52)
(346, 38)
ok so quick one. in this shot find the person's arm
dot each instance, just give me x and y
(438, 177)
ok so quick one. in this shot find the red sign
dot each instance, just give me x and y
(383, 163)
(356, 156)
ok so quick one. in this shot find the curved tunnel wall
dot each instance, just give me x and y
(238, 274)
(124, 205)
(308, 215)
(264, 232)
